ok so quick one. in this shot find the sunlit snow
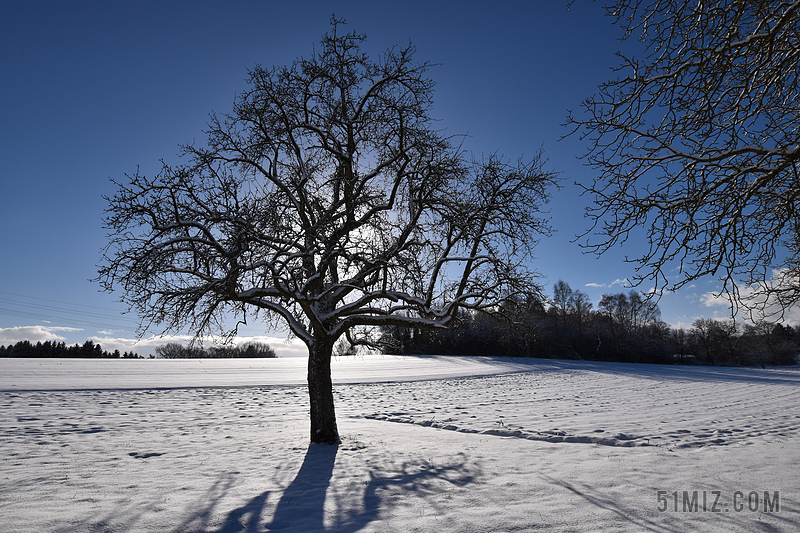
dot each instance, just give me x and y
(429, 444)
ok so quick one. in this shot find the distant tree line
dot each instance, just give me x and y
(625, 327)
(87, 350)
(91, 350)
(248, 350)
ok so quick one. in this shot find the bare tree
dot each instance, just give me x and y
(698, 143)
(562, 295)
(327, 202)
(581, 308)
(716, 340)
(628, 317)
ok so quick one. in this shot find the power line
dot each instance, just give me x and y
(72, 304)
(55, 313)
(63, 320)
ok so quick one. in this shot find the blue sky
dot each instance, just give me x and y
(90, 90)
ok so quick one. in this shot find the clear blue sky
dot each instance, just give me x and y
(90, 90)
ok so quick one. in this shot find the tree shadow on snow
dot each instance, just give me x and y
(391, 488)
(789, 375)
(303, 501)
(301, 507)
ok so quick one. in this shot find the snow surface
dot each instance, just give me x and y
(429, 444)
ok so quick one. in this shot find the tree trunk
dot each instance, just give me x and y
(320, 394)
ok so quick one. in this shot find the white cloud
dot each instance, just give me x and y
(282, 346)
(623, 282)
(763, 307)
(657, 292)
(715, 299)
(33, 333)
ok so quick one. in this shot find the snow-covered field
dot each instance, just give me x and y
(429, 444)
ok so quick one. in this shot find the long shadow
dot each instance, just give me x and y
(303, 502)
(413, 478)
(707, 374)
(247, 517)
(622, 514)
(301, 508)
(779, 375)
(789, 375)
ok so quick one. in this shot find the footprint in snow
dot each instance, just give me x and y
(139, 455)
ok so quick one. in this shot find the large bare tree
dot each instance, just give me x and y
(697, 143)
(328, 202)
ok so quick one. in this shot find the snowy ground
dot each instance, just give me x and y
(429, 444)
